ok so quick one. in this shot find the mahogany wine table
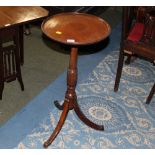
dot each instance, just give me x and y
(74, 29)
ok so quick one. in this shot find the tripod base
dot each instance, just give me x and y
(65, 108)
(70, 101)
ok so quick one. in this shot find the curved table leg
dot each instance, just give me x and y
(58, 105)
(84, 119)
(59, 125)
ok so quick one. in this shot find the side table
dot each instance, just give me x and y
(74, 29)
(12, 19)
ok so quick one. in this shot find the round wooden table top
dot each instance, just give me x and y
(76, 28)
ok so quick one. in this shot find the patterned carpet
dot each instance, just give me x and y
(128, 121)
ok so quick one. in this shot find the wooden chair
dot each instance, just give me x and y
(138, 39)
(9, 57)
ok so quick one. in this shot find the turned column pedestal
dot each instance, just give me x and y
(74, 29)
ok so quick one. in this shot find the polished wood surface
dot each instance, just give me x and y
(76, 28)
(13, 15)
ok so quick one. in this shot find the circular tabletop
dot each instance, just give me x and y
(75, 28)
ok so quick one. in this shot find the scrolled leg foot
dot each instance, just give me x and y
(86, 120)
(46, 144)
(59, 125)
(58, 105)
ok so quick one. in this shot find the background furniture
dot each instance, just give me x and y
(9, 57)
(18, 16)
(74, 29)
(138, 38)
(11, 30)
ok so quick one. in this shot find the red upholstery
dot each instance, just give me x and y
(136, 33)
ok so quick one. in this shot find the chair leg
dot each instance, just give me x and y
(1, 72)
(1, 81)
(21, 44)
(119, 70)
(1, 89)
(151, 94)
(18, 61)
(128, 60)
